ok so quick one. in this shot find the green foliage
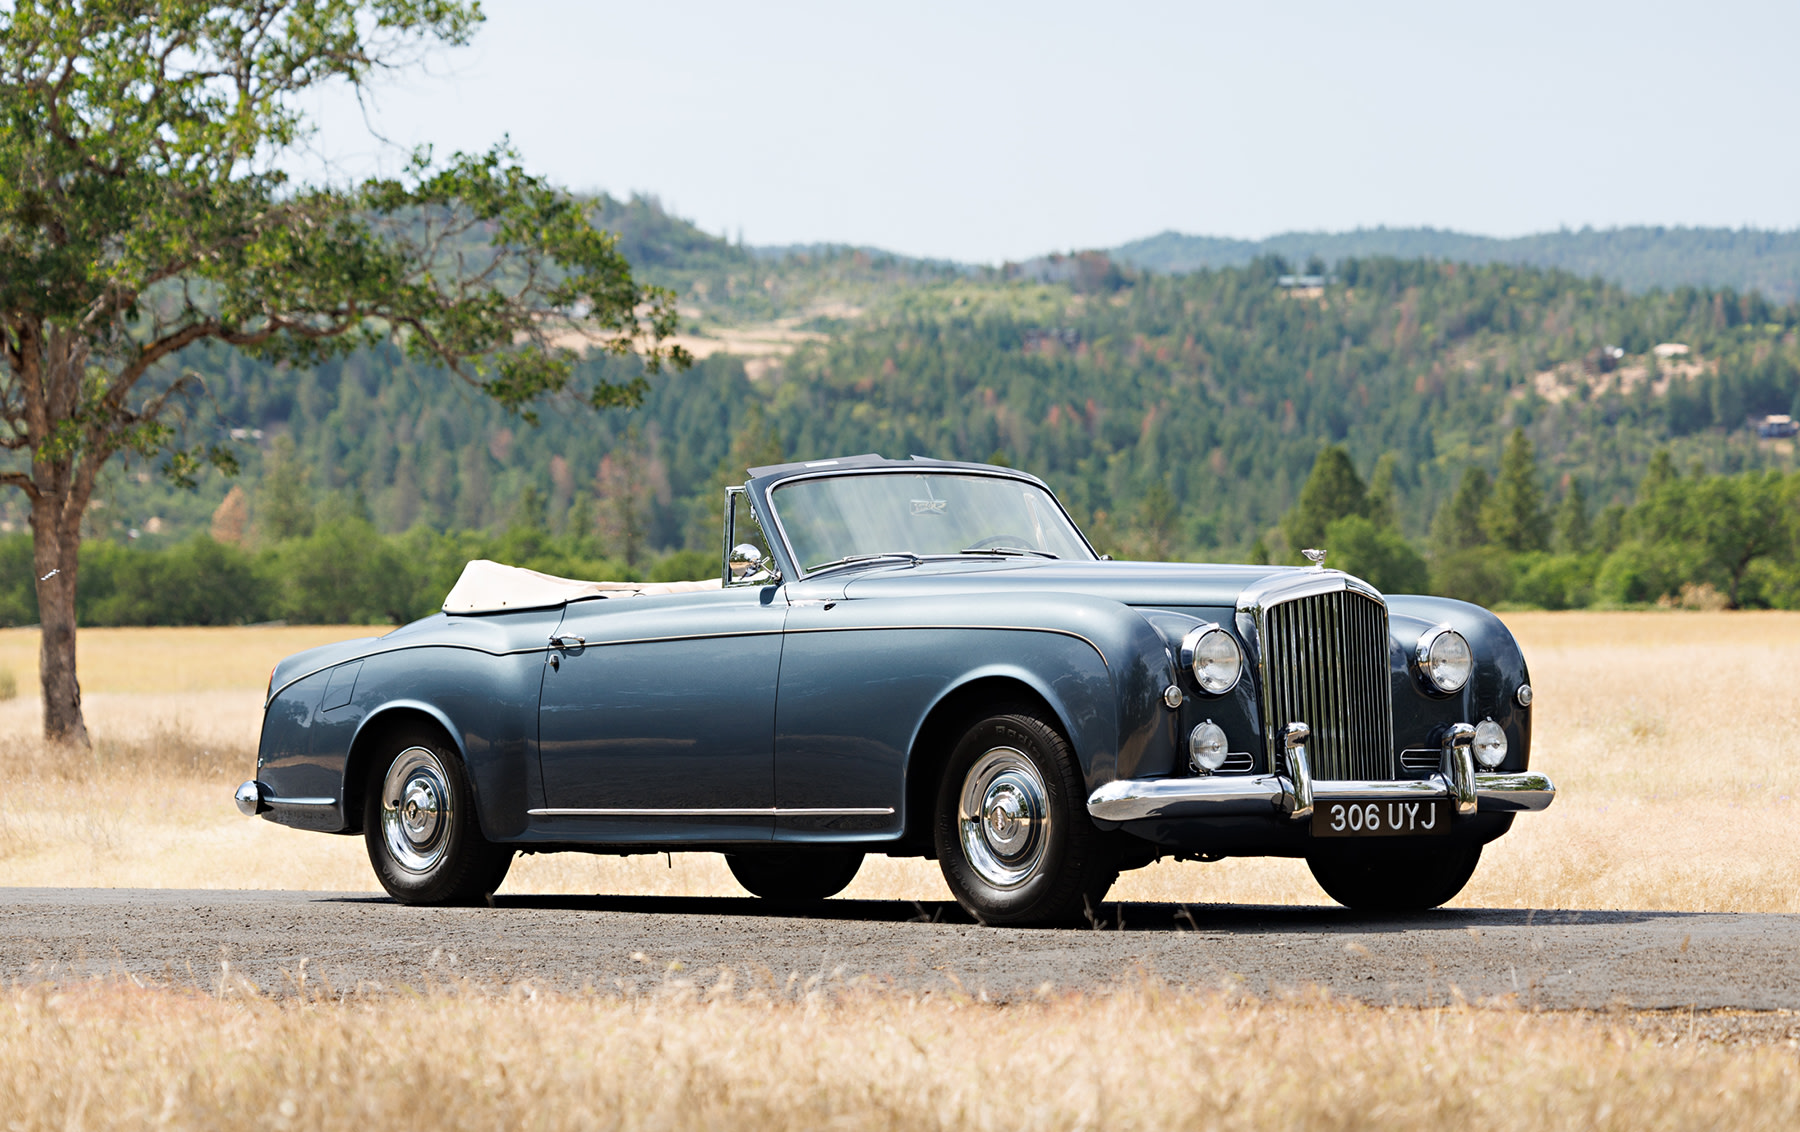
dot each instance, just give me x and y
(1479, 574)
(685, 566)
(1574, 535)
(143, 211)
(1458, 526)
(1514, 517)
(343, 572)
(1332, 491)
(1555, 581)
(1378, 555)
(197, 582)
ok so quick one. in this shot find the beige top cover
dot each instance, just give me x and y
(494, 587)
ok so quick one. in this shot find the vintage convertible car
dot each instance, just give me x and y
(918, 658)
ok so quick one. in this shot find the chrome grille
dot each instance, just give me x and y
(1325, 664)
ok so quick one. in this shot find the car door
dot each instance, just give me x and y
(657, 717)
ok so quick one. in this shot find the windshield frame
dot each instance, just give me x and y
(767, 494)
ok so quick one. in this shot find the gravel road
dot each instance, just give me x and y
(1646, 960)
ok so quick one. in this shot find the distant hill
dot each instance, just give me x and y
(1638, 259)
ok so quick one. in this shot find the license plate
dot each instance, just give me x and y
(1381, 819)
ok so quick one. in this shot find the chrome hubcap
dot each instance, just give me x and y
(416, 810)
(1004, 817)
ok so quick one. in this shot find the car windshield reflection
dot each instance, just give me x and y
(840, 520)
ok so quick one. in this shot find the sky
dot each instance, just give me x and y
(983, 132)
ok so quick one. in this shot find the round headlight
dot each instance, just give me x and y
(1444, 658)
(1214, 657)
(1206, 747)
(1490, 744)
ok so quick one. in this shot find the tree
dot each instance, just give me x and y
(1154, 524)
(1514, 517)
(1457, 525)
(1376, 554)
(1718, 525)
(1573, 533)
(624, 490)
(1381, 493)
(1331, 492)
(284, 503)
(143, 211)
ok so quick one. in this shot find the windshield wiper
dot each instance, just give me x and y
(1010, 551)
(853, 559)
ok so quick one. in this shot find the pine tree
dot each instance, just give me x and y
(1573, 533)
(1331, 492)
(1660, 472)
(1381, 493)
(284, 503)
(1514, 517)
(1457, 525)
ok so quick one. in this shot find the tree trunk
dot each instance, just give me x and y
(56, 545)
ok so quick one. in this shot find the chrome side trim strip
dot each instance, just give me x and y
(682, 812)
(270, 800)
(1133, 799)
(691, 637)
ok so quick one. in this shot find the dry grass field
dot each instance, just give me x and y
(1674, 737)
(116, 1056)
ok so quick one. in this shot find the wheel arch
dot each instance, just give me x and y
(377, 727)
(944, 722)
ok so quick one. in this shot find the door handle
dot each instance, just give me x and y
(568, 642)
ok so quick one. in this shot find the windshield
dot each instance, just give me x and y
(831, 519)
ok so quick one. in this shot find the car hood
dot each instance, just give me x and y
(1130, 583)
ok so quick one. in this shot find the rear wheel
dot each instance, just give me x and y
(420, 828)
(795, 878)
(1395, 878)
(1013, 835)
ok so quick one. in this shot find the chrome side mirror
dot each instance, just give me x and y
(748, 564)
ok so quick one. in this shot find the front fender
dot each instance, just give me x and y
(1421, 715)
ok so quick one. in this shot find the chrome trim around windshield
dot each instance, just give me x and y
(801, 573)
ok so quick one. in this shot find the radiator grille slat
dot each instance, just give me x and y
(1325, 664)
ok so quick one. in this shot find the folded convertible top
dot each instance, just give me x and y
(494, 587)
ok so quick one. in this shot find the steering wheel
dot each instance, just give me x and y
(1019, 541)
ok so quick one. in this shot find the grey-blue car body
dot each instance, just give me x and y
(802, 714)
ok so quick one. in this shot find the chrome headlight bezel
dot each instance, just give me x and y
(1200, 653)
(1434, 660)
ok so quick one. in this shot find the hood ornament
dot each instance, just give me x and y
(1316, 557)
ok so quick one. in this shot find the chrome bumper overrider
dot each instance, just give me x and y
(1294, 794)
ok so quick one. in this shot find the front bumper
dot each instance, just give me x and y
(1295, 793)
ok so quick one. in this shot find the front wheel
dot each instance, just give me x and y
(1013, 835)
(795, 879)
(420, 828)
(1395, 878)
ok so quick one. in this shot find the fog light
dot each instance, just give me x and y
(1490, 744)
(1206, 748)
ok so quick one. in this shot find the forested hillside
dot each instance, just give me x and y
(1178, 414)
(1638, 258)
